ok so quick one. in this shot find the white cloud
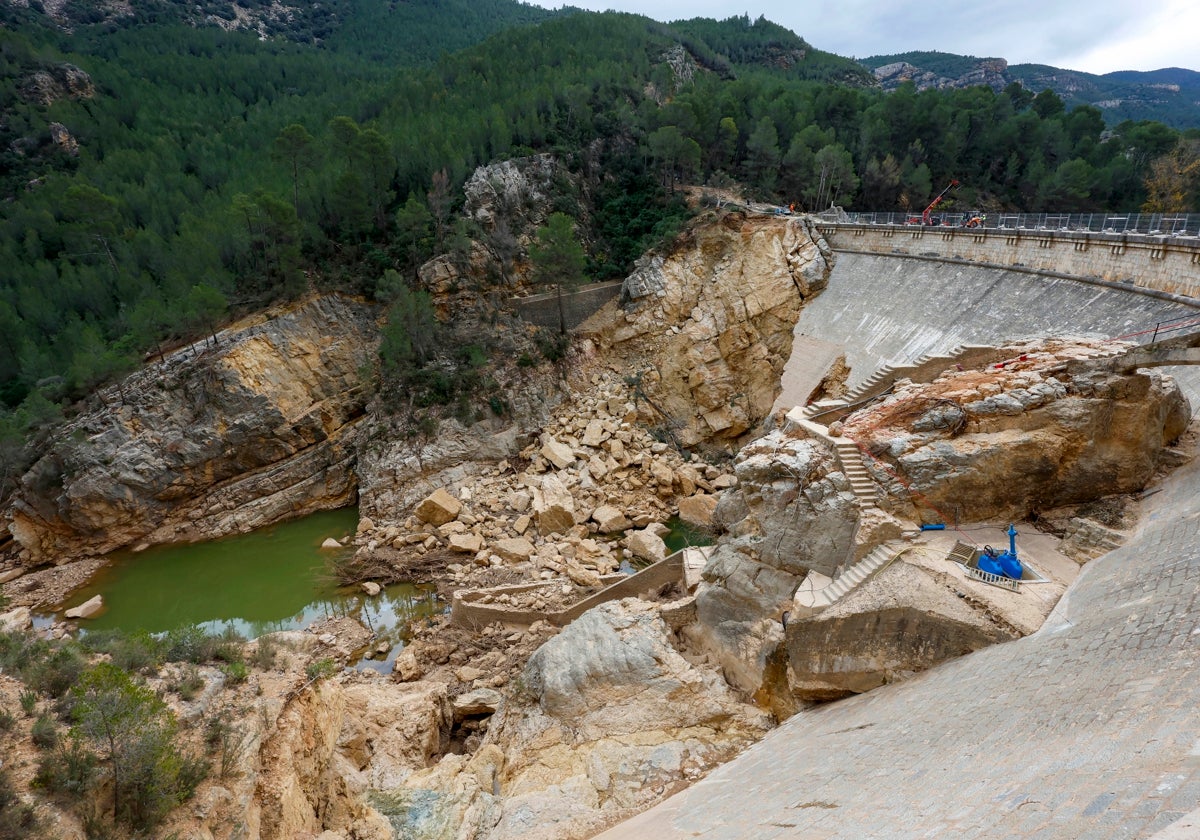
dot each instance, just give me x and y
(1096, 36)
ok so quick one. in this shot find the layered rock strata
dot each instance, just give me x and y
(217, 438)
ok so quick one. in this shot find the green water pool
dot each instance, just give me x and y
(268, 580)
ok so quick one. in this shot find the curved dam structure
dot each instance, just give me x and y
(1087, 728)
(880, 309)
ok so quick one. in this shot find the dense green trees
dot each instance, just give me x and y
(216, 172)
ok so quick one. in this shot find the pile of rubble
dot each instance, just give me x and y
(592, 491)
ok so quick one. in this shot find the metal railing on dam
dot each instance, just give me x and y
(1147, 224)
(1153, 254)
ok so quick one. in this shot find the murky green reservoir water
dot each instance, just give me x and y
(268, 580)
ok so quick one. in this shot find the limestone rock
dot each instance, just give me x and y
(717, 314)
(581, 575)
(594, 433)
(794, 491)
(898, 623)
(647, 545)
(406, 666)
(558, 454)
(553, 506)
(698, 510)
(438, 508)
(16, 620)
(1026, 437)
(331, 544)
(481, 701)
(613, 672)
(469, 543)
(87, 609)
(513, 550)
(371, 588)
(610, 519)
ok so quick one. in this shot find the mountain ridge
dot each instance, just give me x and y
(1170, 95)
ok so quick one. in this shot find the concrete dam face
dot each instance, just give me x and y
(881, 309)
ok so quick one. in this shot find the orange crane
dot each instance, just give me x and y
(926, 218)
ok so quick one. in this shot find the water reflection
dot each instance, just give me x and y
(268, 580)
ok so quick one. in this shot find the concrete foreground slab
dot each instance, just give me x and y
(1088, 729)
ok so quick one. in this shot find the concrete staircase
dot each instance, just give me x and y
(818, 592)
(856, 471)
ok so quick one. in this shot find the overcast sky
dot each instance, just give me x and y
(1097, 36)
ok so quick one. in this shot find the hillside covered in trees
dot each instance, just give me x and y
(162, 170)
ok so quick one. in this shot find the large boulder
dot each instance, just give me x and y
(613, 672)
(438, 508)
(609, 519)
(698, 510)
(553, 506)
(516, 550)
(903, 621)
(791, 492)
(1011, 440)
(647, 545)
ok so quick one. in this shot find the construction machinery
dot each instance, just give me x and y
(927, 217)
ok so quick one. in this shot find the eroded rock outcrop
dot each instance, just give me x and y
(609, 719)
(1021, 436)
(902, 622)
(709, 325)
(213, 440)
(791, 512)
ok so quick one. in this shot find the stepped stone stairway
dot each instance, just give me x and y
(818, 592)
(855, 471)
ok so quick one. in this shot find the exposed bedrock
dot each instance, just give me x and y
(1052, 426)
(609, 718)
(708, 326)
(901, 622)
(212, 440)
(1033, 435)
(791, 511)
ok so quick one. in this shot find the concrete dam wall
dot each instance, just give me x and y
(890, 308)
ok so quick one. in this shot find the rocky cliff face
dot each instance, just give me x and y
(211, 441)
(707, 327)
(1025, 436)
(992, 72)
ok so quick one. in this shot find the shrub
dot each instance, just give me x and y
(228, 742)
(44, 732)
(139, 652)
(70, 769)
(264, 654)
(235, 672)
(188, 644)
(18, 820)
(28, 702)
(136, 734)
(56, 673)
(189, 685)
(320, 669)
(7, 720)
